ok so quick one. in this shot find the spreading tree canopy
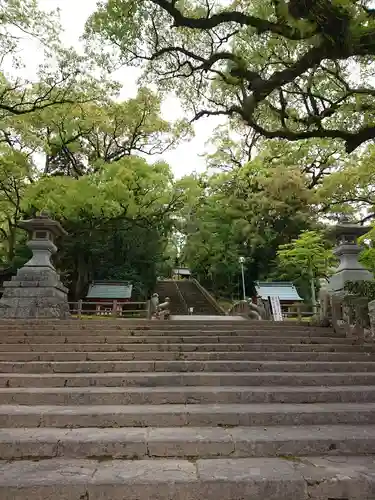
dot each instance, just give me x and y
(293, 69)
(68, 146)
(247, 212)
(61, 74)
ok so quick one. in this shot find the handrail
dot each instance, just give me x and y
(209, 297)
(182, 298)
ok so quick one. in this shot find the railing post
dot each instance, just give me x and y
(114, 308)
(299, 313)
(148, 309)
(79, 308)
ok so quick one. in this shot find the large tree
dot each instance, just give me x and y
(289, 69)
(118, 219)
(58, 74)
(305, 260)
(16, 172)
(246, 212)
(351, 189)
(234, 146)
(73, 138)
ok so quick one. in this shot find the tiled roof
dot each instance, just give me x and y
(285, 290)
(110, 290)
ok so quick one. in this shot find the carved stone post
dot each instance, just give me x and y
(36, 291)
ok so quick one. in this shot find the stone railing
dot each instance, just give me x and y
(354, 316)
(248, 310)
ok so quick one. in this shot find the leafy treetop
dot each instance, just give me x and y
(63, 76)
(307, 256)
(288, 69)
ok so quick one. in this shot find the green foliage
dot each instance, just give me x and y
(367, 256)
(350, 188)
(304, 260)
(118, 219)
(59, 76)
(361, 289)
(77, 138)
(68, 147)
(16, 173)
(246, 212)
(117, 249)
(309, 255)
(23, 18)
(285, 68)
(129, 186)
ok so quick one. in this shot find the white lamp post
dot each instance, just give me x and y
(242, 262)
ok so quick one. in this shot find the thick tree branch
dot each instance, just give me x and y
(298, 85)
(212, 21)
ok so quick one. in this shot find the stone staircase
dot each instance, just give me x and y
(185, 294)
(131, 410)
(194, 297)
(168, 288)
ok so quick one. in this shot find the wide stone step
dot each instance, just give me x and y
(68, 332)
(307, 478)
(187, 415)
(185, 395)
(178, 379)
(203, 339)
(189, 356)
(184, 366)
(185, 347)
(181, 442)
(129, 324)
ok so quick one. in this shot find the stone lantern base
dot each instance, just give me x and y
(35, 293)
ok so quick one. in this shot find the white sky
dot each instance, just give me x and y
(185, 158)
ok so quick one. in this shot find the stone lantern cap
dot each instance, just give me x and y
(347, 230)
(43, 222)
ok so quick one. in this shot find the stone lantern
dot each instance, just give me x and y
(36, 291)
(346, 234)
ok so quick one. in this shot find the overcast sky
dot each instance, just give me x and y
(184, 159)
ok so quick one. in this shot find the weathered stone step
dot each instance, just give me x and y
(187, 415)
(185, 395)
(184, 366)
(189, 356)
(307, 478)
(185, 347)
(174, 379)
(129, 324)
(181, 442)
(68, 332)
(203, 339)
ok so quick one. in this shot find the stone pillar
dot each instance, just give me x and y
(347, 250)
(36, 291)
